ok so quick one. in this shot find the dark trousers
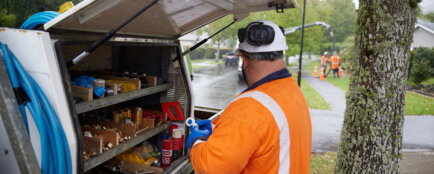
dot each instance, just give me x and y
(336, 72)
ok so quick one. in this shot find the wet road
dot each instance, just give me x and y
(216, 85)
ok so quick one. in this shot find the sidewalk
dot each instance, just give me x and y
(417, 162)
(327, 125)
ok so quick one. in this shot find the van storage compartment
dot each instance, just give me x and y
(109, 126)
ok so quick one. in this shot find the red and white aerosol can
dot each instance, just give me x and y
(177, 144)
(167, 153)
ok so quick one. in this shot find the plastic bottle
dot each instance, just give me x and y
(173, 126)
(166, 159)
(143, 80)
(138, 117)
(126, 74)
(177, 143)
(182, 127)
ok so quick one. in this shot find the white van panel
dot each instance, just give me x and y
(36, 53)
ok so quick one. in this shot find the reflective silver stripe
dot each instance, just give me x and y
(334, 63)
(281, 121)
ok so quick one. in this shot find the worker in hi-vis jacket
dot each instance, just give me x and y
(324, 62)
(266, 128)
(336, 63)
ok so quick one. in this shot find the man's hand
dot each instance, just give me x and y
(205, 125)
(196, 134)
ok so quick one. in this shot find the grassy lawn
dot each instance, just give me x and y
(313, 98)
(200, 60)
(195, 67)
(310, 67)
(323, 162)
(415, 104)
(216, 63)
(342, 82)
(209, 61)
(429, 81)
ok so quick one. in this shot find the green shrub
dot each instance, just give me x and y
(6, 19)
(421, 71)
(421, 65)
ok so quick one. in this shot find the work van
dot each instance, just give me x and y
(143, 73)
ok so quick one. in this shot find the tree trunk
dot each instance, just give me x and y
(371, 138)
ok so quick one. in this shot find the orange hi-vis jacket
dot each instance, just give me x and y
(266, 129)
(336, 61)
(324, 60)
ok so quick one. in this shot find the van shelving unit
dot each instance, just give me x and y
(119, 98)
(168, 85)
(116, 150)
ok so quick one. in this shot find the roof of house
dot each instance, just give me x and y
(428, 26)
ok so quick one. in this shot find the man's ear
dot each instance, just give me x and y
(245, 62)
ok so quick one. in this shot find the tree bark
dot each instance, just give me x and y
(371, 138)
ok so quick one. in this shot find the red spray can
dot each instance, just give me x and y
(167, 153)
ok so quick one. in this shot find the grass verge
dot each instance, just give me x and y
(342, 82)
(415, 104)
(323, 162)
(209, 61)
(217, 63)
(200, 60)
(313, 98)
(429, 81)
(195, 63)
(195, 67)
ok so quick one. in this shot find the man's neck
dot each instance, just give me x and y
(263, 69)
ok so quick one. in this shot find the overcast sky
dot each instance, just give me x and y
(426, 5)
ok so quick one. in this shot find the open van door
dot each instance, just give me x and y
(167, 19)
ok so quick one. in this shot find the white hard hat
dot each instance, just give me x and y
(278, 43)
(325, 52)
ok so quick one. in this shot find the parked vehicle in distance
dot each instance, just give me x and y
(231, 58)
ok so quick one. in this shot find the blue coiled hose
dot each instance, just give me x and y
(55, 152)
(39, 19)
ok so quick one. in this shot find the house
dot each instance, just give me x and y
(190, 39)
(423, 35)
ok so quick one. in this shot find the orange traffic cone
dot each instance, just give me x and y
(340, 72)
(321, 77)
(315, 73)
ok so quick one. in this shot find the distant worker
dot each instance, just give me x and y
(336, 63)
(265, 129)
(324, 62)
